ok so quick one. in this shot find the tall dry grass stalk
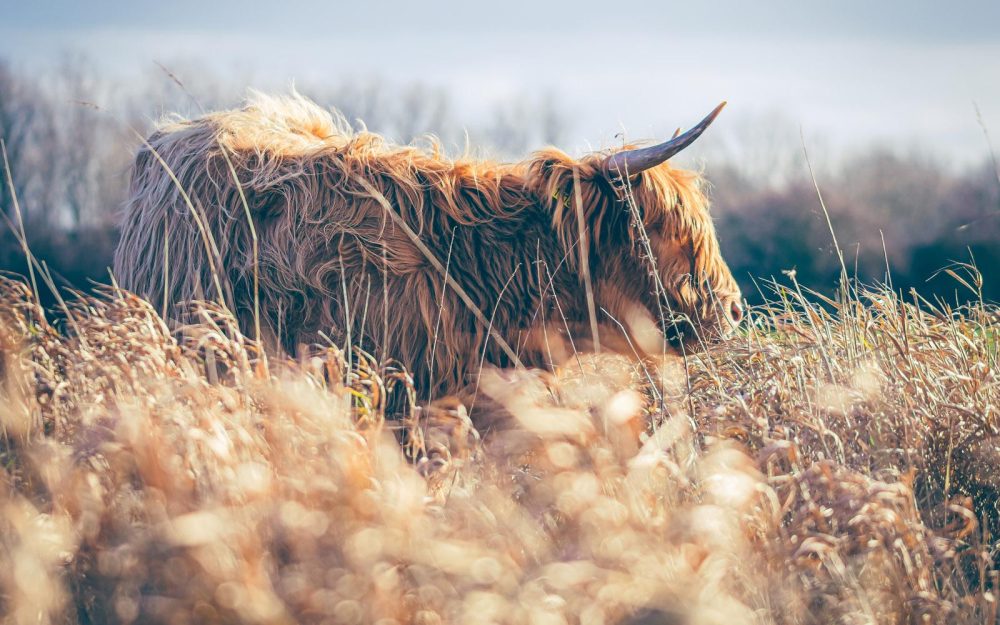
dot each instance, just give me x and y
(833, 463)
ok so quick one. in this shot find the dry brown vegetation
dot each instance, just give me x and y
(833, 464)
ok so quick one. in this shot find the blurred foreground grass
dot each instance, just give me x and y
(834, 464)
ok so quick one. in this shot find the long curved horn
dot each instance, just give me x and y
(631, 162)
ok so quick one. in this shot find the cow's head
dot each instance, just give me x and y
(678, 233)
(655, 256)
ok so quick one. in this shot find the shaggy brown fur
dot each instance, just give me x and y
(332, 262)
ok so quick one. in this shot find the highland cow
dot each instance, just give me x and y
(310, 232)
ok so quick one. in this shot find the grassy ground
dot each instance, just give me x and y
(831, 464)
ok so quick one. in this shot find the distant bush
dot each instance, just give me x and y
(906, 213)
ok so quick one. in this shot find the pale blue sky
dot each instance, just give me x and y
(852, 71)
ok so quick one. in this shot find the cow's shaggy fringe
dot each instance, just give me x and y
(841, 468)
(507, 232)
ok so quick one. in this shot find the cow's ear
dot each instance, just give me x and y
(631, 199)
(624, 190)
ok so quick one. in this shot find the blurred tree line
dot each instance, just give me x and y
(70, 136)
(899, 219)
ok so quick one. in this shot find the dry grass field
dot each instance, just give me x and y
(433, 196)
(833, 463)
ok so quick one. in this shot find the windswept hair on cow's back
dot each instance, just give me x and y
(286, 125)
